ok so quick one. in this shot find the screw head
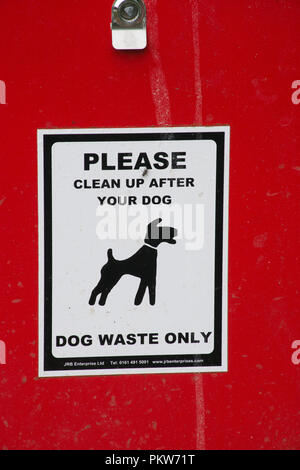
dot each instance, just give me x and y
(129, 11)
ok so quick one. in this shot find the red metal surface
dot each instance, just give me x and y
(208, 63)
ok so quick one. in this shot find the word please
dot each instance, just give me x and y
(126, 161)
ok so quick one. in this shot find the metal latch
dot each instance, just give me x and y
(128, 24)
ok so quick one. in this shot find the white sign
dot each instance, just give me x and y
(133, 250)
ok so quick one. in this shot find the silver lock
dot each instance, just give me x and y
(129, 24)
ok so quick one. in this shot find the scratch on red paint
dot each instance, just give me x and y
(158, 81)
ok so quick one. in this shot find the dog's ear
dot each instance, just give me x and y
(153, 231)
(154, 223)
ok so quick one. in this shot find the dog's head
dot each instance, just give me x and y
(157, 234)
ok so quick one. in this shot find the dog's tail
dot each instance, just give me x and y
(110, 255)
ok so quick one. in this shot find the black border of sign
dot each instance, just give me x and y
(213, 359)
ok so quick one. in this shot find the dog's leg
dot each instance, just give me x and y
(141, 292)
(95, 293)
(152, 285)
(103, 297)
(108, 287)
(152, 292)
(93, 298)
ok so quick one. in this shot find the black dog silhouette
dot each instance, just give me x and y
(143, 264)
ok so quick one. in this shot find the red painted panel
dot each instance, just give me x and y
(215, 63)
